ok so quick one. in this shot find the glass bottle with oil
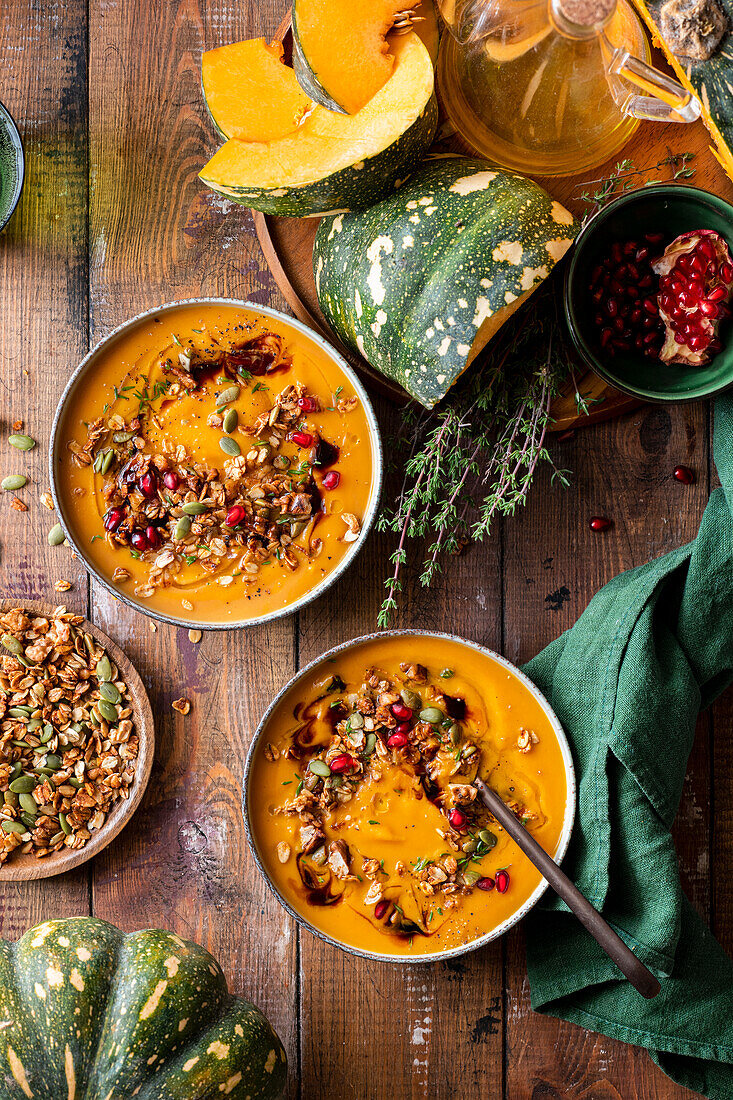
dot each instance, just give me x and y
(551, 87)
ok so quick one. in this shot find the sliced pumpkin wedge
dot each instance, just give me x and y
(340, 53)
(251, 94)
(336, 161)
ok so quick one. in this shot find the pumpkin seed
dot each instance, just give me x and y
(104, 668)
(107, 710)
(319, 856)
(23, 784)
(56, 535)
(446, 674)
(12, 827)
(43, 771)
(182, 528)
(20, 744)
(410, 698)
(19, 712)
(54, 761)
(319, 767)
(10, 798)
(227, 395)
(469, 845)
(64, 823)
(431, 715)
(16, 770)
(122, 437)
(14, 481)
(22, 442)
(195, 508)
(356, 721)
(55, 839)
(470, 878)
(487, 837)
(28, 803)
(455, 733)
(34, 724)
(109, 457)
(281, 462)
(230, 420)
(29, 820)
(12, 644)
(74, 782)
(47, 734)
(109, 692)
(370, 744)
(230, 446)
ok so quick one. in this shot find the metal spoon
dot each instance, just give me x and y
(641, 978)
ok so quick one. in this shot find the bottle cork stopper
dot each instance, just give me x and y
(587, 13)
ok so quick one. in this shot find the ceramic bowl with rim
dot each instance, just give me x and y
(12, 166)
(79, 380)
(671, 209)
(24, 867)
(248, 794)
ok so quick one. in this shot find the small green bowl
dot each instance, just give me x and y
(665, 208)
(12, 166)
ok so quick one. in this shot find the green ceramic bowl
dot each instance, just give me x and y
(12, 166)
(670, 209)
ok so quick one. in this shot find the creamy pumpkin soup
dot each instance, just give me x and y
(216, 465)
(361, 799)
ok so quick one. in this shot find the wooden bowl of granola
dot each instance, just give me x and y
(77, 740)
(359, 801)
(215, 464)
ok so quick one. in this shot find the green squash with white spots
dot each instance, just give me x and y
(420, 282)
(89, 1013)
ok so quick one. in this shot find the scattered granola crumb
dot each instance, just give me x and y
(154, 628)
(47, 501)
(121, 574)
(62, 586)
(17, 425)
(18, 505)
(195, 636)
(187, 604)
(183, 706)
(283, 852)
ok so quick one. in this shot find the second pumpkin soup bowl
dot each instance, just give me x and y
(215, 464)
(357, 795)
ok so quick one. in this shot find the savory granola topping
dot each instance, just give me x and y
(68, 746)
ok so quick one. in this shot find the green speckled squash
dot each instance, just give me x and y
(419, 283)
(334, 161)
(89, 1013)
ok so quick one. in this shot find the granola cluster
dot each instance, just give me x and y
(68, 746)
(259, 506)
(413, 722)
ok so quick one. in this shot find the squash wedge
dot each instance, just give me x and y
(336, 162)
(340, 53)
(251, 95)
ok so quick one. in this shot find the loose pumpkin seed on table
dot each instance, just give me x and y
(67, 751)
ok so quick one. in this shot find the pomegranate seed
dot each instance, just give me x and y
(706, 248)
(612, 307)
(401, 711)
(485, 883)
(641, 255)
(654, 238)
(457, 819)
(646, 282)
(619, 325)
(170, 480)
(606, 336)
(639, 342)
(148, 484)
(307, 404)
(596, 274)
(113, 519)
(630, 247)
(635, 317)
(380, 909)
(332, 479)
(726, 273)
(622, 345)
(709, 309)
(342, 763)
(235, 515)
(600, 523)
(650, 305)
(502, 881)
(633, 271)
(151, 534)
(303, 439)
(650, 338)
(138, 541)
(617, 252)
(402, 727)
(684, 474)
(397, 740)
(717, 294)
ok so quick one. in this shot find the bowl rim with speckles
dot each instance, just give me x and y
(568, 820)
(88, 364)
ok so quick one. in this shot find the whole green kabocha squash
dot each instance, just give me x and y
(89, 1013)
(420, 282)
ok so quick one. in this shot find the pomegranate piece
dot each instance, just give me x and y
(152, 536)
(401, 711)
(148, 484)
(684, 474)
(485, 883)
(397, 741)
(170, 480)
(138, 541)
(623, 289)
(342, 764)
(458, 819)
(502, 881)
(381, 908)
(332, 479)
(303, 439)
(308, 404)
(695, 287)
(600, 523)
(235, 515)
(113, 519)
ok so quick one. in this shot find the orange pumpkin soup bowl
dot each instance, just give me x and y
(215, 463)
(359, 803)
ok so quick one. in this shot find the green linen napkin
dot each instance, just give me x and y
(653, 648)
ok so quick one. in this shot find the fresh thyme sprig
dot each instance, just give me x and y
(627, 177)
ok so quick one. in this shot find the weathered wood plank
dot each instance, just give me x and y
(156, 236)
(43, 291)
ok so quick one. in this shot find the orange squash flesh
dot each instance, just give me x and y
(250, 93)
(386, 820)
(132, 362)
(343, 42)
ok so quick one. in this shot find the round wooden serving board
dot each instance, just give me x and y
(287, 244)
(22, 867)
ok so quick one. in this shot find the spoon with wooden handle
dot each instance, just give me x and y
(641, 978)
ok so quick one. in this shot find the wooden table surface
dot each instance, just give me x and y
(113, 220)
